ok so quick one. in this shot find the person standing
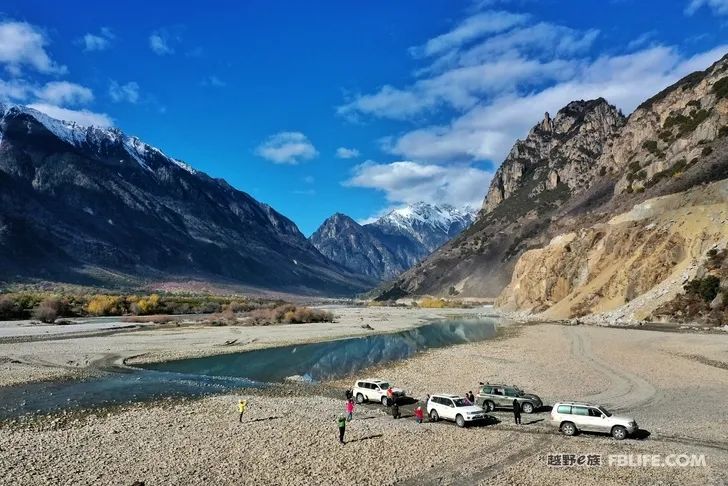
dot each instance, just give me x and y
(242, 407)
(349, 410)
(390, 396)
(517, 412)
(395, 410)
(341, 422)
(419, 414)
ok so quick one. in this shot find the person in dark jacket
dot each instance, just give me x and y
(395, 410)
(517, 412)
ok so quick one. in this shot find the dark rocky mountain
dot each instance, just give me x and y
(570, 197)
(84, 204)
(393, 243)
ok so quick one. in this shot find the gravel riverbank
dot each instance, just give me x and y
(291, 439)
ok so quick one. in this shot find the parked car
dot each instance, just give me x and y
(572, 417)
(495, 396)
(374, 390)
(455, 408)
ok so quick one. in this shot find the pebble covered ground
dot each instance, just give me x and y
(292, 438)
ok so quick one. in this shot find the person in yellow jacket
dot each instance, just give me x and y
(242, 407)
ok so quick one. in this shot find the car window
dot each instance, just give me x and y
(579, 411)
(461, 402)
(498, 391)
(384, 386)
(593, 412)
(449, 403)
(487, 390)
(510, 392)
(564, 409)
(360, 384)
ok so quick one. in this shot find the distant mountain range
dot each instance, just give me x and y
(91, 205)
(393, 243)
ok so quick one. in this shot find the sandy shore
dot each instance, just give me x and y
(41, 352)
(673, 384)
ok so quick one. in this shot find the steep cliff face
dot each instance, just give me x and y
(554, 164)
(627, 267)
(557, 151)
(643, 247)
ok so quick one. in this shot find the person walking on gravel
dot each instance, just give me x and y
(419, 414)
(349, 410)
(517, 412)
(341, 422)
(242, 407)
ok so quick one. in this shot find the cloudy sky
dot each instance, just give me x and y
(350, 107)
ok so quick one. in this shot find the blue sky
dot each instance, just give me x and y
(354, 107)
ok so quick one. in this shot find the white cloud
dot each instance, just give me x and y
(159, 43)
(471, 28)
(347, 153)
(15, 90)
(489, 129)
(97, 42)
(485, 84)
(22, 44)
(287, 148)
(718, 7)
(82, 117)
(214, 82)
(128, 92)
(64, 93)
(410, 182)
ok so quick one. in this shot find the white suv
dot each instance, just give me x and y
(571, 417)
(453, 407)
(374, 390)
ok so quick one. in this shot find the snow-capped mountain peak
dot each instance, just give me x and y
(418, 215)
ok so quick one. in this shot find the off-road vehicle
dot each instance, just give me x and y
(492, 396)
(573, 417)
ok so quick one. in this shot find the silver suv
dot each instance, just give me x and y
(572, 417)
(492, 396)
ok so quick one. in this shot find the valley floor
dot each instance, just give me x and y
(673, 384)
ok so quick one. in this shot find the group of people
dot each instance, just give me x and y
(349, 406)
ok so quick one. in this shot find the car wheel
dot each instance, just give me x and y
(385, 401)
(567, 428)
(527, 407)
(489, 406)
(434, 416)
(460, 421)
(619, 432)
(359, 398)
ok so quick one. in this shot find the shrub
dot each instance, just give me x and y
(650, 146)
(289, 314)
(720, 88)
(48, 310)
(104, 305)
(706, 288)
(430, 303)
(147, 305)
(8, 308)
(706, 151)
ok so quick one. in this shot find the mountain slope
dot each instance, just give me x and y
(76, 202)
(393, 243)
(637, 250)
(550, 166)
(643, 221)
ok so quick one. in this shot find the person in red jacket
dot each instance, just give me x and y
(419, 414)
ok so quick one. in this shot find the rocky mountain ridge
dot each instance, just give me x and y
(673, 143)
(394, 242)
(92, 205)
